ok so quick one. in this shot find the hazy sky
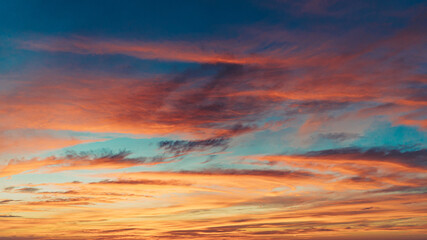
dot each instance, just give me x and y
(213, 119)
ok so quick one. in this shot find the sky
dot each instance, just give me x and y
(215, 120)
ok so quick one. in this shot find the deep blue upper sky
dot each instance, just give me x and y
(174, 19)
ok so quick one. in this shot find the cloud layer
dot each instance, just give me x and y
(213, 120)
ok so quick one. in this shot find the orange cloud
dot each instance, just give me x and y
(213, 204)
(79, 161)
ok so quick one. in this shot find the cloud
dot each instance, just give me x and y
(258, 210)
(80, 160)
(8, 188)
(19, 141)
(402, 189)
(142, 182)
(169, 51)
(414, 158)
(28, 190)
(55, 202)
(360, 168)
(180, 102)
(268, 74)
(359, 160)
(253, 172)
(178, 147)
(338, 137)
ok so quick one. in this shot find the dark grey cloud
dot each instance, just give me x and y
(9, 216)
(108, 156)
(410, 157)
(338, 137)
(28, 190)
(183, 146)
(402, 190)
(319, 106)
(254, 172)
(143, 182)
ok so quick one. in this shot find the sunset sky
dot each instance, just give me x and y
(213, 120)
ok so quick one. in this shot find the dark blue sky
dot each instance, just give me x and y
(174, 19)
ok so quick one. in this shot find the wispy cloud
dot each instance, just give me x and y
(79, 161)
(185, 146)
